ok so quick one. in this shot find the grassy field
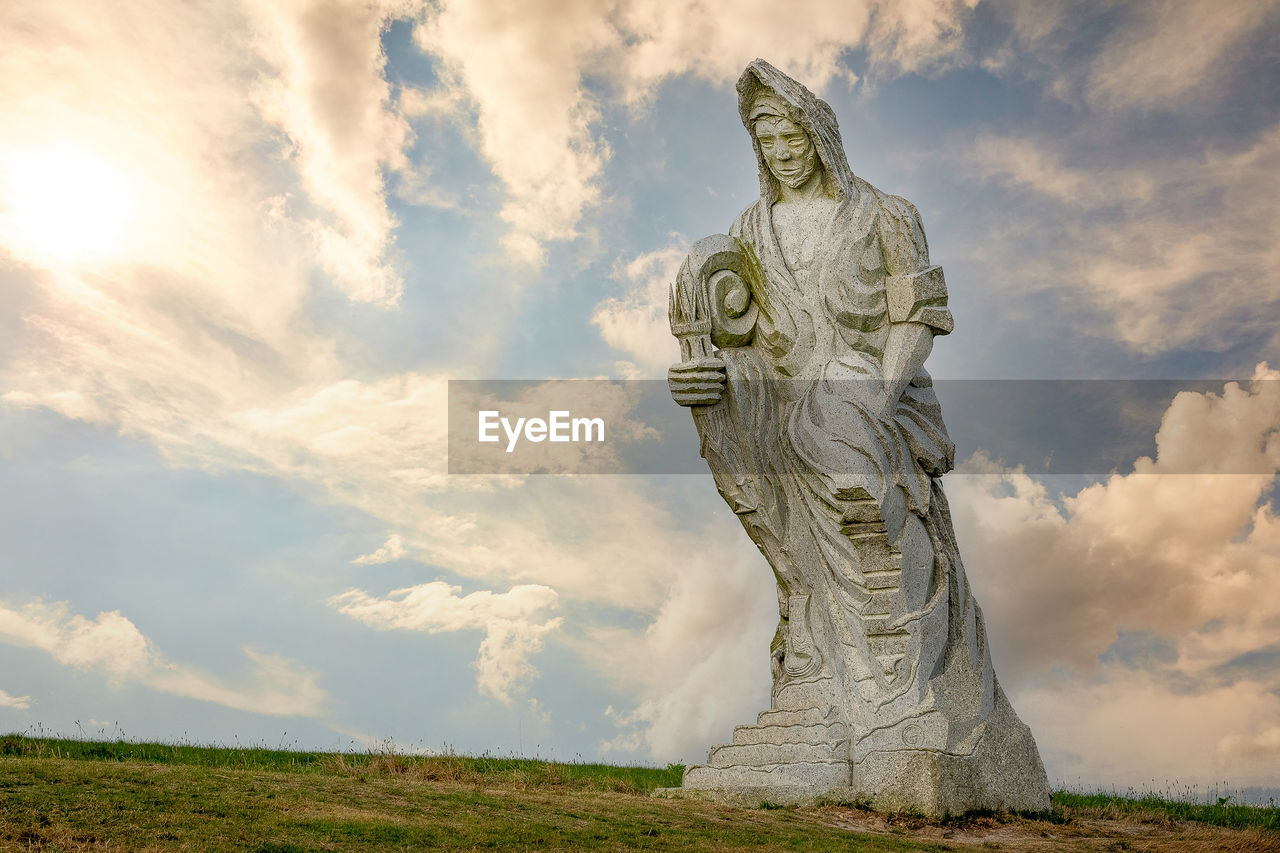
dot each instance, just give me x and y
(71, 795)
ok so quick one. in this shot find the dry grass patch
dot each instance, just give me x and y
(1066, 829)
(79, 796)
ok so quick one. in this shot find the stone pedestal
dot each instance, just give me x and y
(1003, 772)
(800, 757)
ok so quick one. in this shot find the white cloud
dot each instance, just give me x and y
(193, 333)
(381, 447)
(1183, 561)
(521, 68)
(349, 435)
(191, 318)
(329, 94)
(392, 550)
(1260, 749)
(514, 623)
(1148, 550)
(1171, 251)
(214, 205)
(1168, 233)
(112, 645)
(225, 191)
(700, 666)
(715, 41)
(524, 70)
(378, 446)
(1187, 561)
(187, 331)
(1173, 54)
(637, 322)
(17, 703)
(1027, 165)
(1118, 729)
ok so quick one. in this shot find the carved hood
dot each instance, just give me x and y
(805, 109)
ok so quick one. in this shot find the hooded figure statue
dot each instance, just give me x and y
(803, 335)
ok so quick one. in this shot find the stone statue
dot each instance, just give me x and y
(803, 335)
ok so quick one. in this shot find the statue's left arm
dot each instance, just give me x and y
(916, 294)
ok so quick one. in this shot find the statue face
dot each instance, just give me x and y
(788, 151)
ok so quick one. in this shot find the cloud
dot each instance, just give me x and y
(1116, 730)
(327, 91)
(347, 435)
(1148, 217)
(1170, 252)
(381, 447)
(524, 69)
(17, 703)
(520, 66)
(378, 446)
(1148, 550)
(193, 316)
(189, 328)
(1172, 55)
(161, 92)
(112, 645)
(219, 209)
(637, 323)
(1024, 164)
(192, 331)
(514, 624)
(715, 43)
(1260, 751)
(699, 666)
(1142, 597)
(392, 550)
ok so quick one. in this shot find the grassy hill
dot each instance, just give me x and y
(72, 795)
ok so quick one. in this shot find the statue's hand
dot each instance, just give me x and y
(697, 383)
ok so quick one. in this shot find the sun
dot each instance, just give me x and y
(64, 206)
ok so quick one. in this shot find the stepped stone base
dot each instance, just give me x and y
(753, 796)
(799, 758)
(797, 751)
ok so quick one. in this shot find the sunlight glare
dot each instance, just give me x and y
(64, 206)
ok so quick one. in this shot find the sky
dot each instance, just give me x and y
(245, 246)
